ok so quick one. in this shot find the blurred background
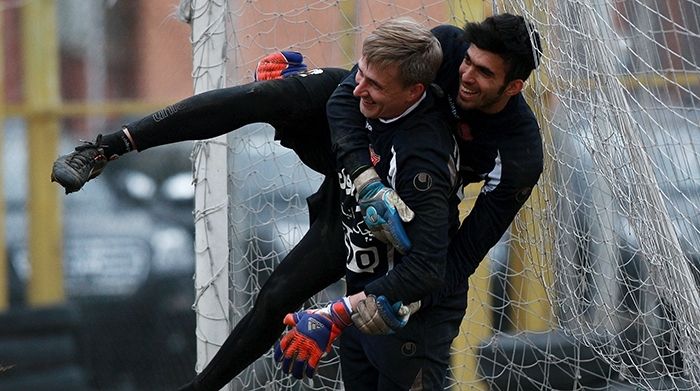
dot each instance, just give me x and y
(593, 288)
(96, 287)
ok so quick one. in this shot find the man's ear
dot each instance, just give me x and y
(514, 87)
(416, 90)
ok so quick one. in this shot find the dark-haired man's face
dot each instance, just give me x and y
(482, 82)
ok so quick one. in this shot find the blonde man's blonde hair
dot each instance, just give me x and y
(406, 43)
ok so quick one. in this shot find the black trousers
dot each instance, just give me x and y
(414, 358)
(295, 107)
(315, 262)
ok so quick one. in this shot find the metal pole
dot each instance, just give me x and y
(4, 276)
(41, 92)
(211, 193)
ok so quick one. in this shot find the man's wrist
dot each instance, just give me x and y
(359, 170)
(129, 139)
(340, 312)
(356, 298)
(366, 177)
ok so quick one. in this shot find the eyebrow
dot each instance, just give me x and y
(482, 68)
(369, 79)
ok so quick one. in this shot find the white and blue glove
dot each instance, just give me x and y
(383, 210)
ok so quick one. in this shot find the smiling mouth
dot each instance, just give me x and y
(467, 92)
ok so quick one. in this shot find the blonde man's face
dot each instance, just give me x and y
(381, 93)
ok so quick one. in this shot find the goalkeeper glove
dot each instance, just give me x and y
(279, 65)
(376, 316)
(383, 210)
(311, 336)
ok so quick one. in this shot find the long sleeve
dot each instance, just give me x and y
(347, 124)
(506, 154)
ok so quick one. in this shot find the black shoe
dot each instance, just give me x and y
(72, 171)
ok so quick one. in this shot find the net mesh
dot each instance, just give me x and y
(594, 286)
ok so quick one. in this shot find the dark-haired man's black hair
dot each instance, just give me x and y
(510, 37)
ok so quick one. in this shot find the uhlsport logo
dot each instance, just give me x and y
(409, 348)
(422, 181)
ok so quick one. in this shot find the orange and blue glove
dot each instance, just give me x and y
(279, 65)
(311, 336)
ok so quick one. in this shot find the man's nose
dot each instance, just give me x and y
(468, 75)
(359, 90)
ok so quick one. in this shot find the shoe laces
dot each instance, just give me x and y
(80, 158)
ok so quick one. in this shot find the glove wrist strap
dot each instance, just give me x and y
(366, 178)
(341, 312)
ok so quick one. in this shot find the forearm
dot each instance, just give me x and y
(314, 263)
(348, 134)
(422, 270)
(489, 219)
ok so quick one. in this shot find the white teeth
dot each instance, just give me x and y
(466, 91)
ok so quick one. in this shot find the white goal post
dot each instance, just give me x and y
(594, 286)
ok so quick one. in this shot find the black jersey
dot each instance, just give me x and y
(417, 156)
(503, 150)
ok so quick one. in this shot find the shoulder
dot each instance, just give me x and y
(451, 40)
(447, 33)
(523, 121)
(426, 135)
(429, 121)
(522, 148)
(453, 49)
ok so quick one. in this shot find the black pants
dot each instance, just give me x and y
(314, 263)
(295, 107)
(415, 357)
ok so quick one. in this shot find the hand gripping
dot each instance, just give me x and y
(311, 336)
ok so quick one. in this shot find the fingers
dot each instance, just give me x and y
(388, 313)
(284, 354)
(388, 227)
(298, 368)
(286, 364)
(299, 361)
(291, 320)
(367, 318)
(404, 211)
(414, 307)
(403, 311)
(305, 364)
(376, 316)
(296, 354)
(296, 357)
(279, 65)
(396, 234)
(372, 217)
(302, 367)
(278, 353)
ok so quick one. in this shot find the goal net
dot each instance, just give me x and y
(594, 286)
